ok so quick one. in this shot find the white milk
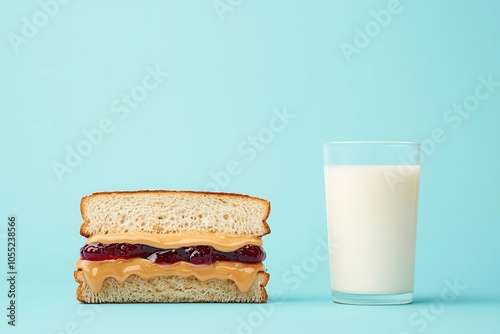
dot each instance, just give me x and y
(372, 213)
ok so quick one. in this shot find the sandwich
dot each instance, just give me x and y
(172, 247)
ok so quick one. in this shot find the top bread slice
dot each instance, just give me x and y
(163, 212)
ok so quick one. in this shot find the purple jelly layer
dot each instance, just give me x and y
(191, 254)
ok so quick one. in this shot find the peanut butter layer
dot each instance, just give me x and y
(220, 241)
(95, 272)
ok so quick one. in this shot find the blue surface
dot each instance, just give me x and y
(293, 74)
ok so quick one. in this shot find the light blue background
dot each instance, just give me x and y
(228, 76)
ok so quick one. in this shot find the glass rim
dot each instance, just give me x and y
(373, 142)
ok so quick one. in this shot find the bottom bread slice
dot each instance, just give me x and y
(171, 289)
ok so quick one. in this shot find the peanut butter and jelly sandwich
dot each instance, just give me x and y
(172, 247)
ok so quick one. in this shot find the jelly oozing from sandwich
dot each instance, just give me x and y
(191, 254)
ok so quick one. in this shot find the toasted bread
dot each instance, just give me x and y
(164, 211)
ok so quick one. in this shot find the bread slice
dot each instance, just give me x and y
(164, 211)
(171, 289)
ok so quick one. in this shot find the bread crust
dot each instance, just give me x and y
(85, 295)
(84, 227)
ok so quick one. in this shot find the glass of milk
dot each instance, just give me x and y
(371, 193)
